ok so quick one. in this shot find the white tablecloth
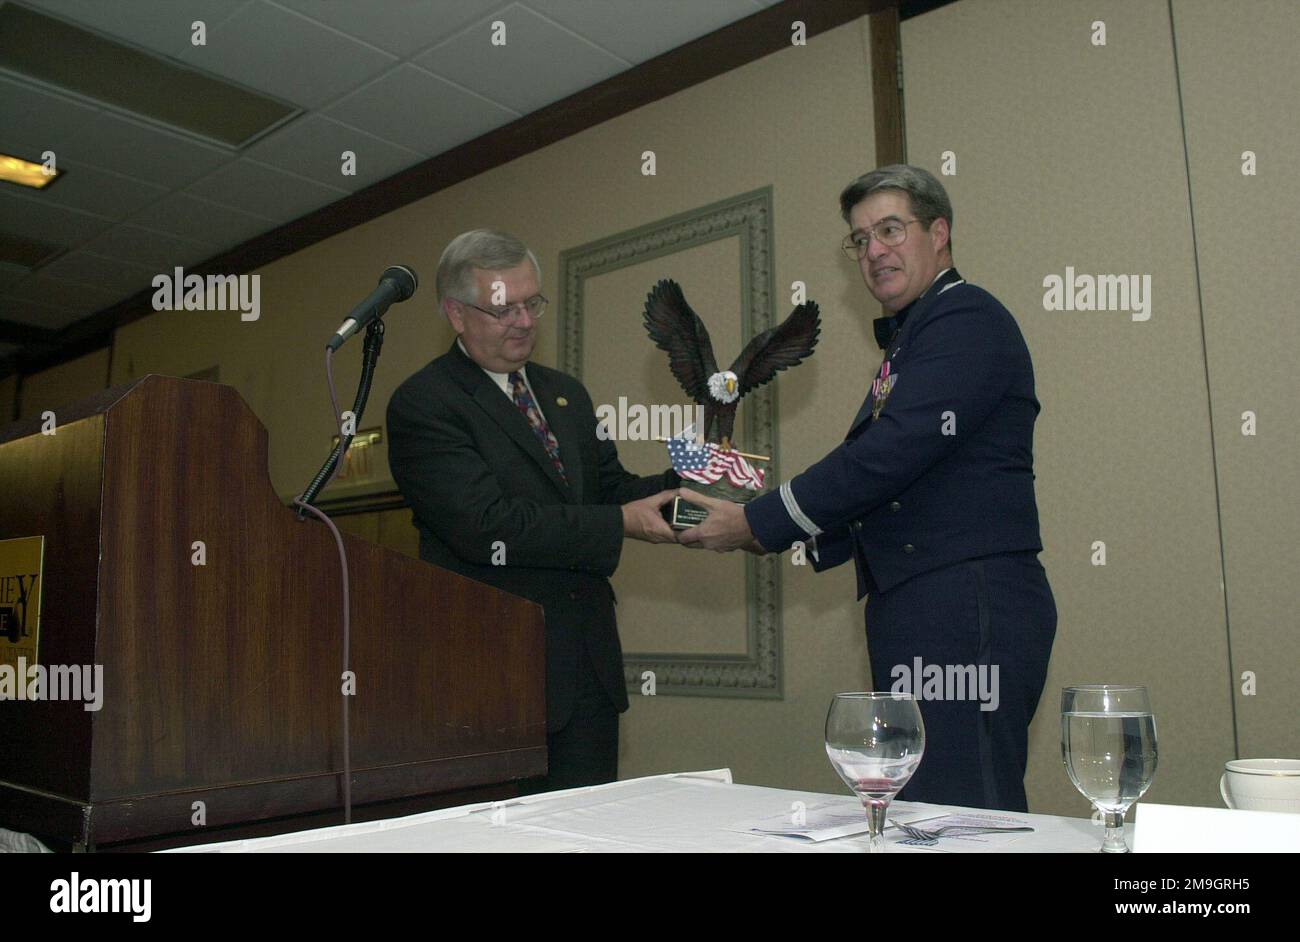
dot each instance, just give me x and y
(693, 811)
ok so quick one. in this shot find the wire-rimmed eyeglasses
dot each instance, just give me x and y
(888, 232)
(512, 313)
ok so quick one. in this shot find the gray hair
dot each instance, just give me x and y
(478, 248)
(928, 198)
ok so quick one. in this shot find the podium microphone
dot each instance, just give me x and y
(396, 284)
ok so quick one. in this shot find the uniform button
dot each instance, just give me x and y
(895, 506)
(857, 524)
(909, 548)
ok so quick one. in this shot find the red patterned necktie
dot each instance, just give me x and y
(524, 403)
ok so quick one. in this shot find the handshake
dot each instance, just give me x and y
(724, 530)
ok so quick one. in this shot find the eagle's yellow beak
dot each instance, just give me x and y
(731, 386)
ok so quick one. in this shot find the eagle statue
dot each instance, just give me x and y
(678, 331)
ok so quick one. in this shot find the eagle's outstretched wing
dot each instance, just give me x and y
(779, 348)
(678, 331)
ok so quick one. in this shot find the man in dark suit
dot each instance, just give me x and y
(932, 496)
(510, 484)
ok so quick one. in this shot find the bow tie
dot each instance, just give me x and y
(885, 328)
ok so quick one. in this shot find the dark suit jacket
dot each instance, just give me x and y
(902, 497)
(475, 473)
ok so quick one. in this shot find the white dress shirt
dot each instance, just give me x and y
(503, 382)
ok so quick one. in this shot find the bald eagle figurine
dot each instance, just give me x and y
(678, 331)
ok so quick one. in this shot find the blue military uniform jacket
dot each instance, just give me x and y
(938, 464)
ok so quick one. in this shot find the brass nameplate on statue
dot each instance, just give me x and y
(682, 515)
(21, 564)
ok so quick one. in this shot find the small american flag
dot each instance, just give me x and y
(707, 463)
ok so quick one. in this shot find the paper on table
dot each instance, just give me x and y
(817, 823)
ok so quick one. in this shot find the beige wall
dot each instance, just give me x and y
(65, 384)
(1067, 155)
(1240, 92)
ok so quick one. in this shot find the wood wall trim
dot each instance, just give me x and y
(887, 86)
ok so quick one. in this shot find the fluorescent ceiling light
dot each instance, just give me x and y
(25, 173)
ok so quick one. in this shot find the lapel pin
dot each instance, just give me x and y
(561, 401)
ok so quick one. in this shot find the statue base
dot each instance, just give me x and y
(681, 514)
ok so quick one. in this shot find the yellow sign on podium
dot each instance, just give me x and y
(21, 568)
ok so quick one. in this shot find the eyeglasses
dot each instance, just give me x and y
(512, 313)
(889, 232)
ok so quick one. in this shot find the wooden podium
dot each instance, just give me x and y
(221, 699)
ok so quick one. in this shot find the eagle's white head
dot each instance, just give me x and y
(723, 386)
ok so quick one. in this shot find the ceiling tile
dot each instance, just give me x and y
(636, 30)
(10, 273)
(37, 314)
(312, 146)
(57, 292)
(120, 211)
(155, 250)
(38, 117)
(421, 111)
(278, 52)
(191, 218)
(113, 275)
(137, 150)
(540, 62)
(99, 192)
(401, 27)
(35, 218)
(159, 25)
(264, 191)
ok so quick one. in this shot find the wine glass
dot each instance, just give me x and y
(1108, 744)
(875, 741)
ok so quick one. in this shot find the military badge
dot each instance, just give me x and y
(880, 389)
